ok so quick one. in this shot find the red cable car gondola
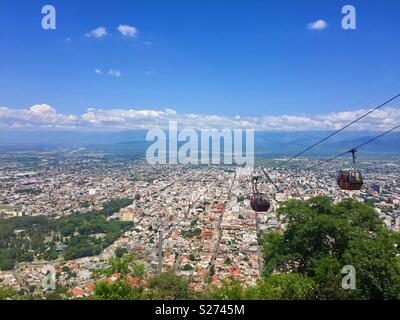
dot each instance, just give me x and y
(350, 179)
(259, 202)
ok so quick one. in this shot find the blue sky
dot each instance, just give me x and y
(223, 58)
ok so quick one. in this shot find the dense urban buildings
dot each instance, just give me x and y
(193, 220)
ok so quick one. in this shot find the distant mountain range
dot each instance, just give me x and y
(266, 143)
(284, 144)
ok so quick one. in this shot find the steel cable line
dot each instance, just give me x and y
(355, 148)
(337, 131)
(276, 187)
(332, 134)
(343, 153)
(269, 179)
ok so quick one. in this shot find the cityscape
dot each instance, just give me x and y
(195, 221)
(188, 156)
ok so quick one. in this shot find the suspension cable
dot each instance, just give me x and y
(337, 131)
(355, 148)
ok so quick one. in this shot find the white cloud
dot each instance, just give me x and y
(127, 31)
(68, 40)
(36, 116)
(97, 33)
(44, 116)
(98, 71)
(42, 109)
(115, 73)
(317, 25)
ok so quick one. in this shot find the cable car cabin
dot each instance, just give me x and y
(350, 180)
(260, 202)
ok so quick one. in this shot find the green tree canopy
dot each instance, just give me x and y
(322, 237)
(168, 285)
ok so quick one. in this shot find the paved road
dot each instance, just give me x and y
(216, 249)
